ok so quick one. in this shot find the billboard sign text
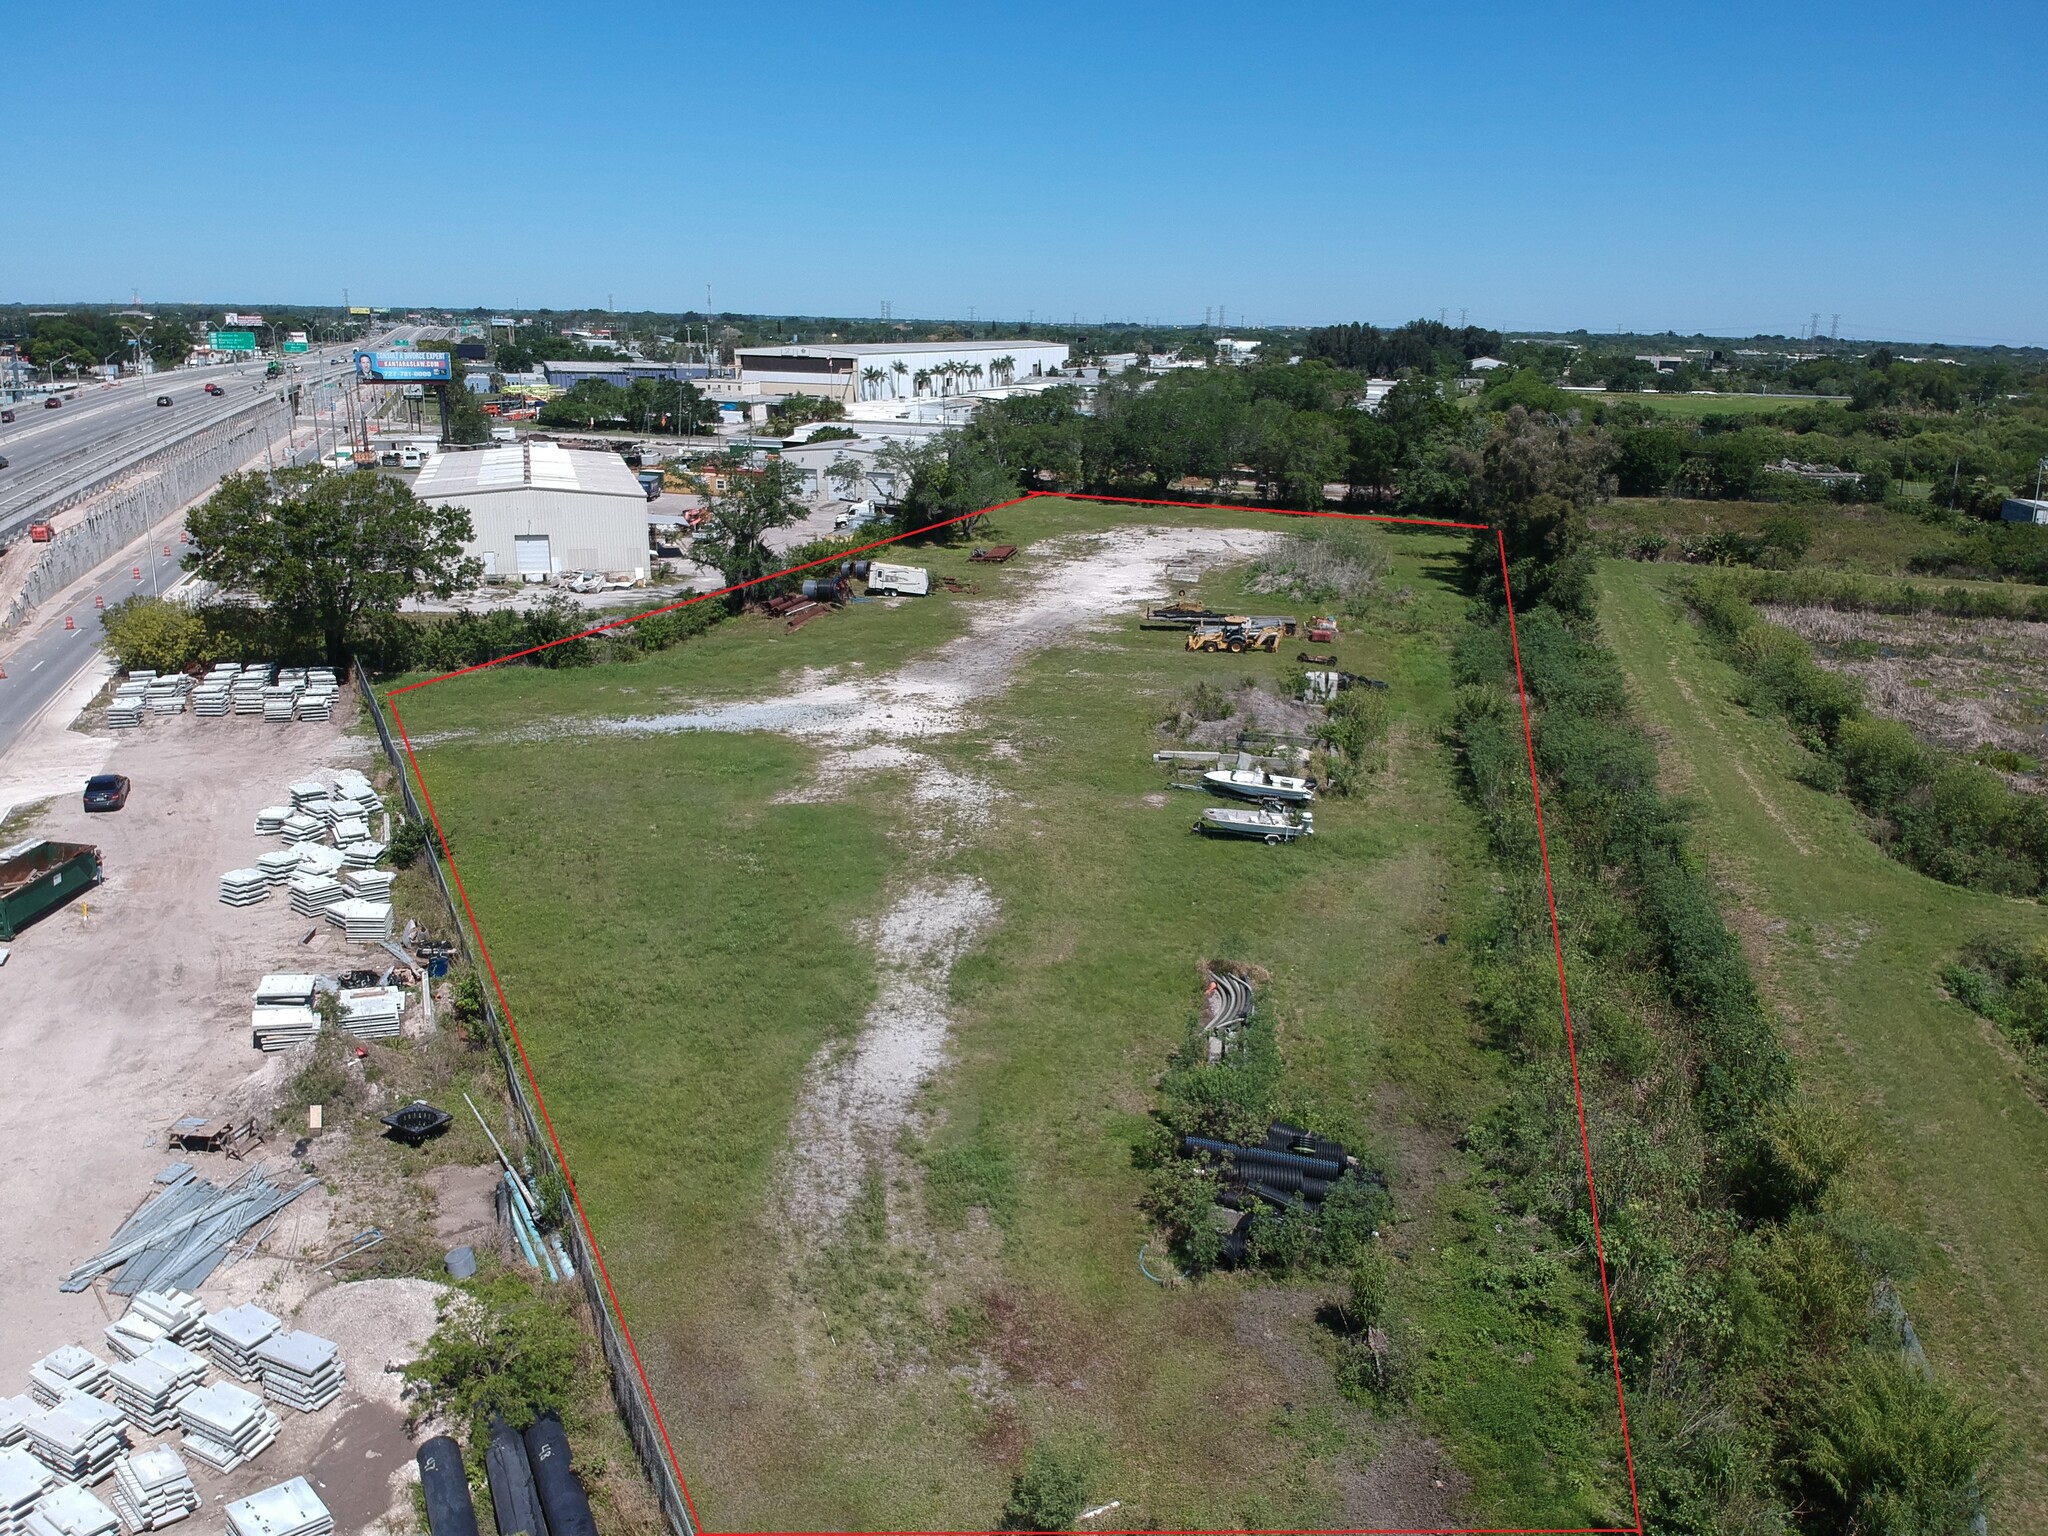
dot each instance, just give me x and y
(234, 321)
(234, 341)
(402, 367)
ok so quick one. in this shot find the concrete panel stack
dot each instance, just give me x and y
(232, 1338)
(279, 1029)
(210, 697)
(23, 1482)
(373, 1013)
(278, 865)
(149, 1388)
(289, 1509)
(79, 1439)
(271, 819)
(12, 1411)
(301, 828)
(368, 884)
(68, 1511)
(64, 1371)
(152, 1489)
(312, 895)
(178, 1313)
(363, 855)
(301, 1370)
(317, 702)
(364, 922)
(226, 1425)
(124, 710)
(280, 700)
(244, 887)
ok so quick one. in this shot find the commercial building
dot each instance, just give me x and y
(896, 369)
(2024, 509)
(539, 510)
(622, 372)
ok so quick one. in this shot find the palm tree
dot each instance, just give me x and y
(919, 380)
(975, 373)
(1006, 366)
(869, 377)
(898, 368)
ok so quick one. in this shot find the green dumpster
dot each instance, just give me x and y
(40, 877)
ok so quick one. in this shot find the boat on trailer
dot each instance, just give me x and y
(1264, 826)
(1258, 784)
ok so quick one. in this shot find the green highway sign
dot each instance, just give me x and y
(295, 346)
(234, 341)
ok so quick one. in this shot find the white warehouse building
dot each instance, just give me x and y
(895, 370)
(539, 509)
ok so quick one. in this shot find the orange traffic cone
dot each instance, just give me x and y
(137, 570)
(98, 601)
(68, 624)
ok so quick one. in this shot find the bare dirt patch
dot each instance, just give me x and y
(1410, 1485)
(1959, 683)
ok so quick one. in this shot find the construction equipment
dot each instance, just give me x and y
(1235, 635)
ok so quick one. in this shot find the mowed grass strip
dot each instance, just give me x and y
(1849, 946)
(676, 948)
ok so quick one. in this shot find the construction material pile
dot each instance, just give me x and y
(152, 1489)
(226, 1425)
(13, 1412)
(149, 1388)
(62, 1372)
(69, 1511)
(372, 1013)
(78, 1439)
(289, 1509)
(301, 1370)
(179, 1237)
(23, 1482)
(232, 1338)
(282, 1014)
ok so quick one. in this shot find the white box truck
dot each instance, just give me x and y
(898, 580)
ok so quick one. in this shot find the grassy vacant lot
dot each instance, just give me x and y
(677, 946)
(1878, 540)
(1690, 406)
(1848, 946)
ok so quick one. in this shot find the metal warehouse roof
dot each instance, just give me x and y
(528, 466)
(890, 348)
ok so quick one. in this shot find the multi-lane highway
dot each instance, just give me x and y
(51, 450)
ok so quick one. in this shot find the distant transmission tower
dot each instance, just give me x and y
(1834, 328)
(1813, 326)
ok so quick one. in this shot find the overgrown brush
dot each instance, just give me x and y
(1341, 567)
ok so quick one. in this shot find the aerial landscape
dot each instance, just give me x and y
(1017, 847)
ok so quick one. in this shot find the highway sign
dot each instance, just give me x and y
(234, 341)
(295, 346)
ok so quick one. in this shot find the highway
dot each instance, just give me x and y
(52, 450)
(44, 664)
(49, 451)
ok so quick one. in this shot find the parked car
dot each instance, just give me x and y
(3, 461)
(106, 792)
(163, 399)
(6, 416)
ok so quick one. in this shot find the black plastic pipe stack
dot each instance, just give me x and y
(449, 1510)
(561, 1491)
(513, 1497)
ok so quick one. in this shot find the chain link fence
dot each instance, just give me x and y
(633, 1404)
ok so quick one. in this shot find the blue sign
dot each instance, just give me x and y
(402, 367)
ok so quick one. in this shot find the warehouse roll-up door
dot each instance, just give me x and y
(532, 549)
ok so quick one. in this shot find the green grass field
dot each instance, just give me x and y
(676, 947)
(1875, 540)
(1689, 405)
(1848, 946)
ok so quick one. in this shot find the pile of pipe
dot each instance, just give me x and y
(1291, 1169)
(1226, 1010)
(179, 1238)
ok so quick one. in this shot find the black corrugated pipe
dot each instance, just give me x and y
(1314, 1167)
(514, 1499)
(1281, 1137)
(449, 1509)
(561, 1491)
(1279, 1197)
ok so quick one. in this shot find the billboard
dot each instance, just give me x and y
(359, 309)
(402, 367)
(236, 322)
(234, 341)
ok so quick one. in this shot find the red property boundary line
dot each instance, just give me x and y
(1556, 935)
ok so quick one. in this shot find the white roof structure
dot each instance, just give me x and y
(526, 466)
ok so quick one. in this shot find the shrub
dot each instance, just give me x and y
(503, 1346)
(156, 633)
(1890, 1453)
(409, 840)
(1051, 1489)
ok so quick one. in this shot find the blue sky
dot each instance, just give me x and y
(1731, 169)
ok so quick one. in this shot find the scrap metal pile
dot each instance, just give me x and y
(177, 1240)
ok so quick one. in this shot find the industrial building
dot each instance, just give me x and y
(897, 370)
(539, 510)
(620, 371)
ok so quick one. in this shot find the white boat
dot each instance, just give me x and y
(1257, 784)
(1262, 826)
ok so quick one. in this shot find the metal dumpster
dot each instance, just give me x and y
(39, 877)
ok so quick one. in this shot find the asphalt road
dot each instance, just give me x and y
(46, 662)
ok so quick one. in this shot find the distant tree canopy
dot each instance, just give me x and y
(1420, 346)
(734, 537)
(645, 405)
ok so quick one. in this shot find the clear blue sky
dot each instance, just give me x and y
(1727, 168)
